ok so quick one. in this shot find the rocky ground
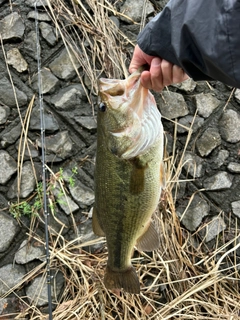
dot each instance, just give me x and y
(206, 115)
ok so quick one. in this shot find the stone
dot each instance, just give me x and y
(221, 158)
(29, 251)
(58, 147)
(69, 97)
(30, 45)
(29, 151)
(206, 103)
(234, 167)
(237, 95)
(9, 229)
(229, 125)
(64, 201)
(87, 236)
(40, 16)
(82, 194)
(87, 122)
(57, 222)
(187, 86)
(134, 10)
(10, 136)
(7, 94)
(214, 228)
(27, 185)
(8, 166)
(49, 81)
(188, 121)
(193, 164)
(11, 275)
(194, 214)
(63, 66)
(236, 208)
(172, 105)
(38, 3)
(12, 27)
(4, 113)
(48, 33)
(219, 181)
(208, 141)
(15, 59)
(37, 291)
(50, 123)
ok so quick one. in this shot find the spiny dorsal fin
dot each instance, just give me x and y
(149, 241)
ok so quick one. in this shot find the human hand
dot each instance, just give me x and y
(161, 72)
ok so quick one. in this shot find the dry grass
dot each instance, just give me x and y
(183, 279)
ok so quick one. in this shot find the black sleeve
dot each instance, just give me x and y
(201, 36)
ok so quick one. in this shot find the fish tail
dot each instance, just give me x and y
(126, 279)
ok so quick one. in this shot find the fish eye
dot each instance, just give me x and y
(102, 107)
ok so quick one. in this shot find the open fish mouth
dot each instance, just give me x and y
(137, 126)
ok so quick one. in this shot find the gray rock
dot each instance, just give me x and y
(7, 94)
(50, 123)
(15, 59)
(187, 86)
(40, 16)
(30, 45)
(11, 275)
(206, 103)
(64, 201)
(28, 152)
(8, 166)
(9, 228)
(57, 222)
(27, 185)
(38, 3)
(49, 82)
(229, 125)
(69, 97)
(4, 113)
(3, 301)
(212, 229)
(237, 95)
(115, 20)
(234, 167)
(219, 181)
(197, 210)
(63, 66)
(12, 27)
(58, 147)
(189, 121)
(87, 235)
(208, 141)
(48, 33)
(82, 194)
(134, 10)
(172, 105)
(220, 159)
(236, 208)
(10, 136)
(29, 251)
(193, 164)
(37, 292)
(89, 123)
(3, 202)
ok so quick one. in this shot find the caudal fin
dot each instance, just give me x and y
(128, 280)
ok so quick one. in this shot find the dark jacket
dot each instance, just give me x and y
(201, 36)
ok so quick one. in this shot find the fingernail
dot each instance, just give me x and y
(156, 62)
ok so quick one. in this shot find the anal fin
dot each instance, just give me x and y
(149, 240)
(96, 226)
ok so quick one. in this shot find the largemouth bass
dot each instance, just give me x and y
(128, 175)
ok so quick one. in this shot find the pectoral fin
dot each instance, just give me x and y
(149, 241)
(96, 226)
(162, 176)
(137, 175)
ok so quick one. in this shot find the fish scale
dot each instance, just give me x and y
(127, 191)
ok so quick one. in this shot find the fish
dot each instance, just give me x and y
(129, 175)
